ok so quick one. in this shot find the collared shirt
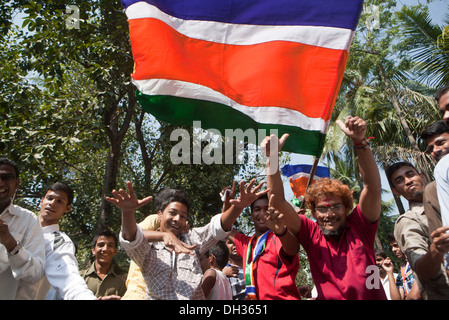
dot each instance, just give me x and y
(412, 233)
(339, 267)
(61, 268)
(135, 283)
(274, 271)
(172, 276)
(27, 266)
(112, 284)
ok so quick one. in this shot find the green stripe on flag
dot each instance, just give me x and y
(183, 111)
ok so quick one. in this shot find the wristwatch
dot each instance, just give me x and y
(16, 249)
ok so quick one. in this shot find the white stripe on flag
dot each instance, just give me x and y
(243, 34)
(276, 115)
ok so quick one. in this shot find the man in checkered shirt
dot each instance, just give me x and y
(170, 258)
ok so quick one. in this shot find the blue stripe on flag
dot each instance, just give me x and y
(289, 170)
(326, 13)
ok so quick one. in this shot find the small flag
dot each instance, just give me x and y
(299, 175)
(243, 64)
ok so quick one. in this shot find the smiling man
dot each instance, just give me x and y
(61, 267)
(103, 277)
(170, 258)
(270, 272)
(340, 242)
(22, 251)
(412, 232)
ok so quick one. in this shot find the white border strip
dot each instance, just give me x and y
(243, 34)
(266, 115)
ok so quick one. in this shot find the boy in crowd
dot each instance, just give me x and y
(169, 258)
(61, 267)
(270, 256)
(215, 284)
(104, 277)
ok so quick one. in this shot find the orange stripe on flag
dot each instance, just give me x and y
(299, 186)
(305, 79)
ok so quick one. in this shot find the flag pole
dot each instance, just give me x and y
(309, 182)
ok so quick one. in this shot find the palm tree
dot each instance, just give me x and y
(376, 87)
(428, 45)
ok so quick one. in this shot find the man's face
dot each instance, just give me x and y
(438, 146)
(174, 218)
(408, 183)
(104, 250)
(330, 213)
(231, 246)
(379, 261)
(9, 183)
(443, 104)
(396, 250)
(260, 208)
(53, 205)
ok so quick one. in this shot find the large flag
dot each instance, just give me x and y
(299, 175)
(260, 64)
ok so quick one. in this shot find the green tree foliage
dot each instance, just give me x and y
(69, 113)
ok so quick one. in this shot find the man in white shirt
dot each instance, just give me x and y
(61, 269)
(22, 249)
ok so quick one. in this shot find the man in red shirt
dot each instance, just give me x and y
(340, 243)
(270, 257)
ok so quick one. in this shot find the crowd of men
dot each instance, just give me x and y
(171, 261)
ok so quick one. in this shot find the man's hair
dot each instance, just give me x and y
(264, 196)
(391, 238)
(380, 252)
(396, 166)
(60, 186)
(220, 252)
(436, 128)
(168, 195)
(7, 162)
(441, 91)
(325, 186)
(106, 232)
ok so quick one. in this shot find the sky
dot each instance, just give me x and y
(438, 10)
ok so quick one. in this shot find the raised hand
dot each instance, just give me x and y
(353, 127)
(387, 264)
(127, 202)
(247, 195)
(440, 238)
(269, 143)
(274, 219)
(226, 195)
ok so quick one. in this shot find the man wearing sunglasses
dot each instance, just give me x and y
(340, 242)
(22, 247)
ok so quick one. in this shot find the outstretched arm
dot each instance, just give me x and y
(247, 196)
(128, 203)
(272, 146)
(370, 197)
